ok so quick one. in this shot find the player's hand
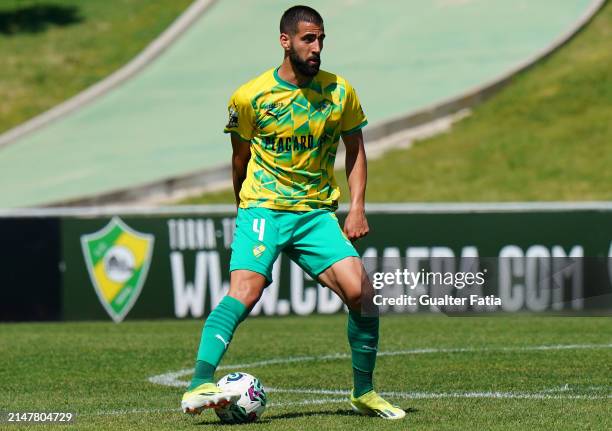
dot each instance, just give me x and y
(356, 224)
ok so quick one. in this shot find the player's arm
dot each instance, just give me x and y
(356, 224)
(240, 126)
(241, 153)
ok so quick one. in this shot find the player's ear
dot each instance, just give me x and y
(284, 41)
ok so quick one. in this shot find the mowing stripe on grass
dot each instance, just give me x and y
(400, 395)
(172, 378)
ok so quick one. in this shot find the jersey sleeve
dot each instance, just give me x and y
(353, 118)
(241, 116)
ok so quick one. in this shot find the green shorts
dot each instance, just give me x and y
(312, 239)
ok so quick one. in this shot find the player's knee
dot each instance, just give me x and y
(246, 293)
(360, 295)
(352, 298)
(247, 289)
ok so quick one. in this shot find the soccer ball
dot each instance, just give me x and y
(251, 404)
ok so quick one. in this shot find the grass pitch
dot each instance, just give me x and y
(514, 372)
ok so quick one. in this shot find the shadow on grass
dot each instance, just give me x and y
(267, 419)
(37, 18)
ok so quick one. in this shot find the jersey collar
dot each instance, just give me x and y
(288, 84)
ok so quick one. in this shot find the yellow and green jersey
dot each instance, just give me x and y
(294, 133)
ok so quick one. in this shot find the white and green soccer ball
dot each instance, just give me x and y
(251, 404)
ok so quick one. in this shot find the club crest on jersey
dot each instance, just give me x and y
(117, 259)
(323, 106)
(258, 250)
(233, 117)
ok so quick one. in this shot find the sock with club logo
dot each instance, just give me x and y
(217, 333)
(363, 339)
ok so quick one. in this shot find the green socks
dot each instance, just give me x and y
(363, 339)
(223, 320)
(204, 373)
(216, 336)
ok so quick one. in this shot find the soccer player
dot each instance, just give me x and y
(285, 126)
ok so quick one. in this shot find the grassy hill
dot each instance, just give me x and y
(547, 136)
(52, 50)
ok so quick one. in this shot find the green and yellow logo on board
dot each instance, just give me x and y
(118, 259)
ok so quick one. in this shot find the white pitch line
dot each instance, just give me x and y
(172, 378)
(309, 402)
(544, 394)
(308, 391)
(130, 412)
(502, 395)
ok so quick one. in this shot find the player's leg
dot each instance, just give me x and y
(253, 253)
(322, 250)
(349, 278)
(246, 288)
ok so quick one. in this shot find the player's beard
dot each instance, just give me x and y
(303, 67)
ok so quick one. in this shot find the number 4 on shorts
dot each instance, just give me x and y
(259, 225)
